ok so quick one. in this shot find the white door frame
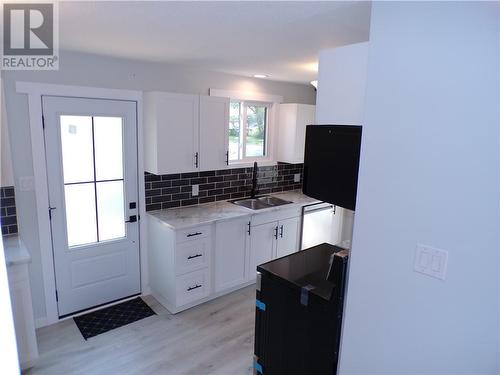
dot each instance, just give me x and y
(35, 92)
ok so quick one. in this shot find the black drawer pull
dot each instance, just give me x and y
(194, 234)
(193, 287)
(195, 256)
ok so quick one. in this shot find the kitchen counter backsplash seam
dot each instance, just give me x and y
(175, 190)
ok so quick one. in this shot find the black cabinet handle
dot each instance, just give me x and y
(195, 256)
(194, 234)
(227, 157)
(281, 231)
(196, 160)
(193, 287)
(276, 232)
(249, 226)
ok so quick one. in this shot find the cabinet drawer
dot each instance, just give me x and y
(192, 286)
(193, 233)
(192, 255)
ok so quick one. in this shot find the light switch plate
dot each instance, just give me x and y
(296, 177)
(431, 261)
(195, 191)
(27, 183)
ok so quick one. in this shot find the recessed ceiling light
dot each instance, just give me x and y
(260, 75)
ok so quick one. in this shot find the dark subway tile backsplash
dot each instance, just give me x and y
(8, 210)
(174, 190)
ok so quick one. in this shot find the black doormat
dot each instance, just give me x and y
(100, 321)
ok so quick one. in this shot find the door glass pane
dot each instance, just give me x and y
(234, 130)
(77, 150)
(256, 130)
(108, 140)
(80, 214)
(111, 210)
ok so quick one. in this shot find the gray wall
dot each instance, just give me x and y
(98, 71)
(428, 174)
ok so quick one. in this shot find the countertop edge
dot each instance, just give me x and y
(15, 251)
(243, 212)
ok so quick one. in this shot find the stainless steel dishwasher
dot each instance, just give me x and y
(321, 222)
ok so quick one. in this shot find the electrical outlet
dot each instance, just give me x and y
(296, 177)
(27, 183)
(195, 191)
(431, 261)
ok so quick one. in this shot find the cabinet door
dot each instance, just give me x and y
(262, 246)
(288, 233)
(305, 116)
(230, 255)
(177, 142)
(214, 122)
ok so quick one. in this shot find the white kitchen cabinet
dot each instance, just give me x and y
(171, 132)
(293, 119)
(272, 235)
(179, 264)
(22, 311)
(214, 122)
(230, 253)
(288, 235)
(262, 246)
(185, 133)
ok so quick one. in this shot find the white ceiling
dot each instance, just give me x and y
(280, 39)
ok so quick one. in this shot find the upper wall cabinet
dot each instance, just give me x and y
(184, 133)
(293, 119)
(214, 123)
(170, 132)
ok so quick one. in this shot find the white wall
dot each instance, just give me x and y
(429, 174)
(97, 71)
(6, 174)
(341, 97)
(342, 84)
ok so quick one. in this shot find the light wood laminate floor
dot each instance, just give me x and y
(214, 338)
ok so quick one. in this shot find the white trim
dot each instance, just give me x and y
(246, 95)
(35, 92)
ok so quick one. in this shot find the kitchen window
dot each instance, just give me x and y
(248, 130)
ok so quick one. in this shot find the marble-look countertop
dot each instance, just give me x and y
(15, 251)
(185, 217)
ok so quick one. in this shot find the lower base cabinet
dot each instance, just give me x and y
(22, 310)
(272, 240)
(230, 253)
(190, 266)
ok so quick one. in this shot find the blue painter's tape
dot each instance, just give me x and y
(257, 367)
(260, 305)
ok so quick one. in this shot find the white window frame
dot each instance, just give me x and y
(272, 101)
(243, 134)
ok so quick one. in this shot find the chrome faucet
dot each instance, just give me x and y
(254, 181)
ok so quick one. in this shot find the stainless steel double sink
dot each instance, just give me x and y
(258, 203)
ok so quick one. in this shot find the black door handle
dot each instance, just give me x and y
(193, 287)
(131, 219)
(276, 232)
(194, 256)
(281, 231)
(196, 160)
(227, 157)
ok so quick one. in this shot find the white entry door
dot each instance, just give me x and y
(91, 150)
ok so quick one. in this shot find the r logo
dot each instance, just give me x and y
(28, 29)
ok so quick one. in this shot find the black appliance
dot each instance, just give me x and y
(331, 163)
(299, 312)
